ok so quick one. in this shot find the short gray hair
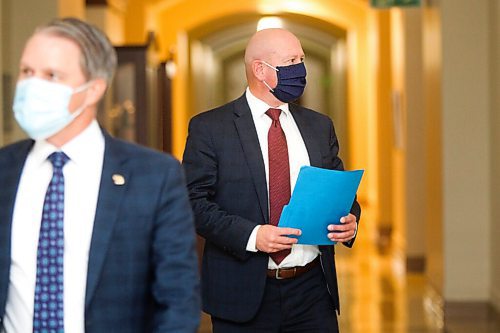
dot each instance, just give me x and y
(98, 55)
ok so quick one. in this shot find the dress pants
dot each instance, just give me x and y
(301, 304)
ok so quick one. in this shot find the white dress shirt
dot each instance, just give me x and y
(82, 176)
(298, 157)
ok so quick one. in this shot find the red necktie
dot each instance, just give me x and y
(279, 175)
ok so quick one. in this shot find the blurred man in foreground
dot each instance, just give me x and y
(96, 234)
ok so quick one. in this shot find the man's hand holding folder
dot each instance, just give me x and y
(320, 206)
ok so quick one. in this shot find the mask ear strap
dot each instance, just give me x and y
(277, 70)
(83, 87)
(270, 89)
(78, 112)
(265, 63)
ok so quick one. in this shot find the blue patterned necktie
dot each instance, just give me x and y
(48, 314)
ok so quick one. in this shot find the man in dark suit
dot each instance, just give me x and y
(242, 160)
(96, 234)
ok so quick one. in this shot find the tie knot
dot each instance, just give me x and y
(58, 159)
(274, 114)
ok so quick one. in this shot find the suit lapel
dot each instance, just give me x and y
(108, 206)
(11, 166)
(307, 131)
(251, 148)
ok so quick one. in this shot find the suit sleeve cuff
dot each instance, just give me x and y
(252, 240)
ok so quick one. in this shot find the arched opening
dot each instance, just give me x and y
(217, 72)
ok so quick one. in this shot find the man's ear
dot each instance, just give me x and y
(96, 91)
(258, 70)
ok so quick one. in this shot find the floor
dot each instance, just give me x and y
(377, 296)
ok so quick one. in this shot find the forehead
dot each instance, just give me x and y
(287, 46)
(45, 50)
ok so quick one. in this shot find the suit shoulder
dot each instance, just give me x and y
(217, 114)
(311, 113)
(17, 146)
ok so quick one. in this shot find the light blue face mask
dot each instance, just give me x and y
(41, 107)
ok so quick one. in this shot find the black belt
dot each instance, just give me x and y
(292, 272)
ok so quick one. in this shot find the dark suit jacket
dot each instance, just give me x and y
(227, 185)
(142, 270)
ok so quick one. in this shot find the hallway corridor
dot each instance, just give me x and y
(413, 91)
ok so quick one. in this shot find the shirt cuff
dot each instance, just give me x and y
(252, 240)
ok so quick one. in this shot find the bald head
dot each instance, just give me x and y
(266, 48)
(267, 43)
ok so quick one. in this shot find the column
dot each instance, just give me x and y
(494, 151)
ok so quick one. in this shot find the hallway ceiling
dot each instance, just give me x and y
(167, 3)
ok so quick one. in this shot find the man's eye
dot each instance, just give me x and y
(53, 76)
(26, 72)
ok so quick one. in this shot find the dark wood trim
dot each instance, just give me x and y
(96, 2)
(165, 108)
(469, 310)
(137, 56)
(415, 264)
(384, 238)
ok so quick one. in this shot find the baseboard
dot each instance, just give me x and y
(415, 264)
(495, 299)
(468, 310)
(440, 311)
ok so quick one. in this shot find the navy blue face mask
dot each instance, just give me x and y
(291, 82)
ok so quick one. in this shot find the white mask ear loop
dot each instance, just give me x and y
(81, 88)
(265, 63)
(271, 89)
(277, 70)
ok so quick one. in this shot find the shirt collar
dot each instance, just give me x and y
(40, 151)
(85, 145)
(79, 149)
(259, 107)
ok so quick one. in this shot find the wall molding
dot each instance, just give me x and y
(469, 310)
(441, 311)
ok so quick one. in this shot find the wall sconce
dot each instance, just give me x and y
(170, 65)
(269, 22)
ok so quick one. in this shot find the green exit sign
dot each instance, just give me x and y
(394, 3)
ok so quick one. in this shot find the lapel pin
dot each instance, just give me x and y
(118, 179)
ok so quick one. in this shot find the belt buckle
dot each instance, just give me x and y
(281, 278)
(277, 274)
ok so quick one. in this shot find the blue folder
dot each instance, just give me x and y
(320, 197)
